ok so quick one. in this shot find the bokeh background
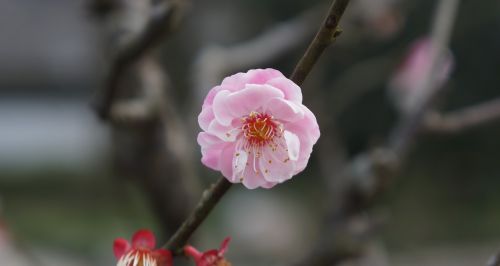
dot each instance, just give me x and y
(64, 189)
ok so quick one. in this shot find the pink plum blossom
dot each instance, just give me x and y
(405, 84)
(256, 130)
(141, 252)
(213, 257)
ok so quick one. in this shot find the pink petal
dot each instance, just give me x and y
(143, 239)
(240, 160)
(269, 185)
(235, 82)
(228, 106)
(193, 252)
(253, 76)
(291, 90)
(221, 112)
(225, 133)
(292, 144)
(252, 180)
(226, 161)
(275, 164)
(205, 117)
(209, 258)
(252, 176)
(120, 247)
(262, 76)
(224, 245)
(284, 110)
(211, 94)
(164, 257)
(307, 131)
(211, 149)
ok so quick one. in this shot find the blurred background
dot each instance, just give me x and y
(70, 183)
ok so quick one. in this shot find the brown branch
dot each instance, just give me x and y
(464, 119)
(210, 198)
(324, 37)
(163, 20)
(215, 193)
(494, 261)
(368, 174)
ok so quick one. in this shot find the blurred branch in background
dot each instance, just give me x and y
(460, 120)
(161, 20)
(347, 88)
(325, 36)
(148, 134)
(353, 190)
(494, 261)
(215, 61)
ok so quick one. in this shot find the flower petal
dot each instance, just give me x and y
(120, 247)
(226, 161)
(253, 76)
(225, 133)
(223, 246)
(211, 149)
(284, 110)
(209, 258)
(163, 257)
(205, 117)
(275, 164)
(193, 252)
(221, 112)
(252, 179)
(307, 131)
(240, 160)
(262, 76)
(228, 106)
(292, 144)
(143, 239)
(291, 90)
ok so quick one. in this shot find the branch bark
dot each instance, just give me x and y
(323, 38)
(327, 34)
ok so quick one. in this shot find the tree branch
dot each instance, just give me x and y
(464, 119)
(209, 199)
(327, 33)
(368, 174)
(401, 138)
(215, 193)
(163, 20)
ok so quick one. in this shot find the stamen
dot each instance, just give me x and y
(259, 129)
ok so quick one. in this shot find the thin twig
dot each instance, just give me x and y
(464, 119)
(162, 21)
(210, 198)
(405, 132)
(215, 193)
(368, 174)
(326, 35)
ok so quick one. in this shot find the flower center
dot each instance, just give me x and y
(260, 128)
(137, 257)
